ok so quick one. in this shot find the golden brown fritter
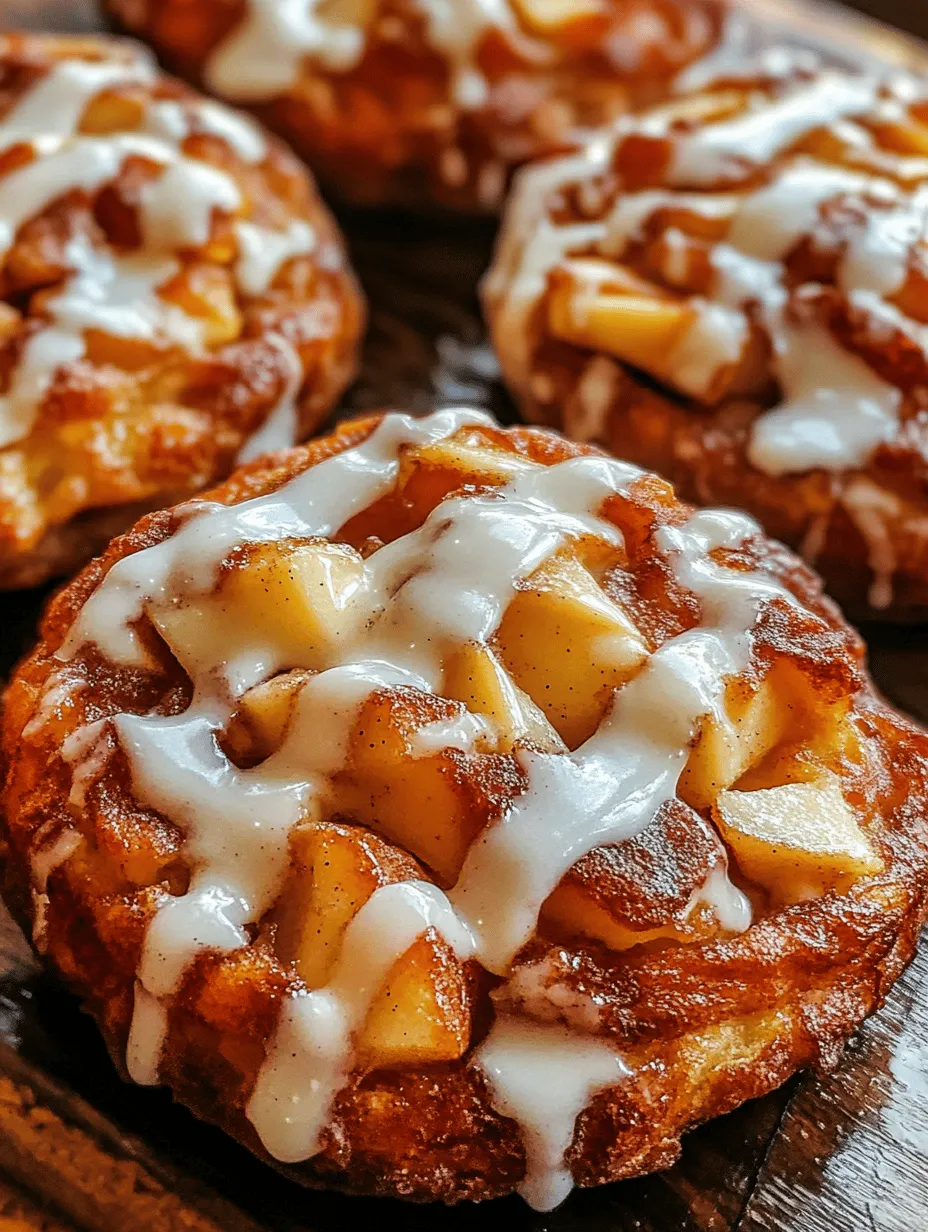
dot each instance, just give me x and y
(170, 283)
(417, 101)
(731, 289)
(744, 893)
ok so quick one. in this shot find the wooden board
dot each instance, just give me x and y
(80, 1150)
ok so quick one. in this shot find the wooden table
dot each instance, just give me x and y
(847, 1153)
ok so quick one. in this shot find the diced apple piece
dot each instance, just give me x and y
(757, 721)
(594, 276)
(429, 474)
(549, 16)
(422, 1013)
(335, 869)
(305, 596)
(796, 840)
(475, 676)
(111, 112)
(334, 872)
(347, 12)
(907, 136)
(129, 354)
(207, 292)
(260, 723)
(431, 803)
(639, 331)
(644, 888)
(301, 599)
(569, 646)
(471, 460)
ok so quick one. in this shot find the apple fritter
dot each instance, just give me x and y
(174, 297)
(447, 810)
(429, 101)
(730, 288)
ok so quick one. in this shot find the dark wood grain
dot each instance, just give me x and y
(852, 1151)
(845, 1153)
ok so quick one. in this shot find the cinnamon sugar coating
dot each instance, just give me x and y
(170, 284)
(724, 943)
(414, 101)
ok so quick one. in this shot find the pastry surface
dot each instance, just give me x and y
(447, 810)
(731, 289)
(428, 100)
(173, 296)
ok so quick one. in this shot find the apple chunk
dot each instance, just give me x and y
(568, 646)
(475, 676)
(639, 331)
(551, 16)
(407, 778)
(422, 1012)
(797, 840)
(301, 598)
(334, 871)
(260, 723)
(756, 719)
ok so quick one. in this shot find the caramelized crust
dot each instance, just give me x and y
(170, 282)
(412, 100)
(717, 948)
(731, 289)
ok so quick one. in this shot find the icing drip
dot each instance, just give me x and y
(837, 410)
(544, 1077)
(611, 787)
(441, 586)
(834, 410)
(712, 154)
(281, 428)
(265, 55)
(62, 96)
(175, 122)
(315, 503)
(177, 207)
(115, 293)
(310, 1059)
(262, 253)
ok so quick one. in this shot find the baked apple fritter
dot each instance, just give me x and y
(172, 293)
(732, 289)
(447, 810)
(428, 100)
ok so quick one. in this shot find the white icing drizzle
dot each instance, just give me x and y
(177, 207)
(111, 292)
(837, 410)
(117, 295)
(710, 154)
(419, 597)
(175, 121)
(266, 54)
(543, 1077)
(310, 1058)
(834, 410)
(611, 787)
(530, 246)
(43, 863)
(63, 94)
(281, 428)
(262, 253)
